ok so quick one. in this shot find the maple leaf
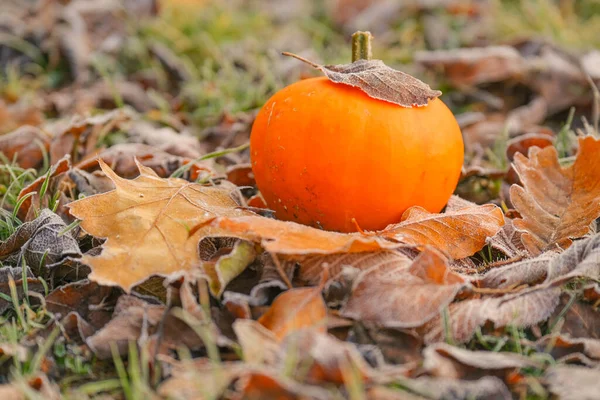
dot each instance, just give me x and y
(146, 223)
(459, 233)
(556, 204)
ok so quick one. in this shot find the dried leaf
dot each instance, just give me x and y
(26, 145)
(403, 295)
(471, 66)
(16, 274)
(580, 260)
(564, 349)
(284, 237)
(294, 309)
(556, 204)
(443, 360)
(522, 309)
(149, 219)
(259, 345)
(227, 267)
(458, 233)
(379, 81)
(573, 383)
(41, 242)
(269, 385)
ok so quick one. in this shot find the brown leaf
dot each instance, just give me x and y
(458, 233)
(259, 345)
(226, 267)
(471, 66)
(284, 237)
(16, 274)
(556, 204)
(379, 81)
(580, 260)
(403, 295)
(567, 349)
(579, 320)
(488, 387)
(573, 383)
(26, 144)
(294, 309)
(522, 309)
(443, 360)
(149, 219)
(312, 267)
(40, 242)
(62, 166)
(268, 385)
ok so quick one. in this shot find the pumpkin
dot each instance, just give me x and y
(329, 155)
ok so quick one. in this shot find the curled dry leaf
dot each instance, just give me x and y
(149, 219)
(40, 242)
(567, 349)
(379, 81)
(26, 145)
(556, 204)
(522, 309)
(294, 309)
(226, 267)
(259, 345)
(459, 233)
(284, 237)
(580, 260)
(447, 361)
(402, 294)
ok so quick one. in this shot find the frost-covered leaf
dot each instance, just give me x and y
(556, 204)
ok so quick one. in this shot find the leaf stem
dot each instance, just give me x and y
(361, 46)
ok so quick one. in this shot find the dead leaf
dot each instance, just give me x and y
(379, 81)
(149, 219)
(521, 309)
(573, 383)
(294, 309)
(580, 260)
(508, 241)
(443, 360)
(41, 243)
(283, 237)
(579, 320)
(458, 233)
(471, 66)
(226, 267)
(26, 145)
(566, 349)
(268, 385)
(556, 204)
(62, 166)
(16, 274)
(488, 387)
(403, 295)
(259, 345)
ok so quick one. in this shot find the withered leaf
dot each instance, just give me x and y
(564, 349)
(379, 81)
(521, 309)
(573, 383)
(459, 233)
(294, 309)
(556, 204)
(284, 237)
(402, 294)
(40, 241)
(228, 266)
(17, 274)
(259, 345)
(443, 360)
(150, 219)
(580, 260)
(26, 144)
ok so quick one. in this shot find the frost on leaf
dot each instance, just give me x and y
(379, 81)
(556, 204)
(147, 223)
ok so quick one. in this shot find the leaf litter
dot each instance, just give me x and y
(137, 250)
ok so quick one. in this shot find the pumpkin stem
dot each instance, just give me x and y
(361, 46)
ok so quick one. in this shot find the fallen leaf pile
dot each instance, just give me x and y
(139, 259)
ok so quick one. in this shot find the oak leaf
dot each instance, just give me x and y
(556, 204)
(459, 233)
(147, 222)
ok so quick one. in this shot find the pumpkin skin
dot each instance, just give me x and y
(324, 153)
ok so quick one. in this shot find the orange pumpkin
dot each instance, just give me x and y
(325, 153)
